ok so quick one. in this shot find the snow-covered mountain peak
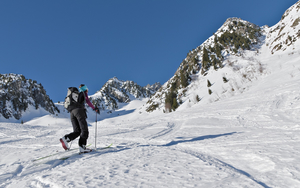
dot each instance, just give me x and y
(19, 95)
(232, 29)
(115, 92)
(115, 80)
(228, 62)
(286, 33)
(232, 39)
(236, 24)
(291, 12)
(156, 86)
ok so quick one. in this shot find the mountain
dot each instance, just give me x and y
(18, 95)
(224, 65)
(228, 62)
(153, 88)
(21, 97)
(286, 33)
(116, 92)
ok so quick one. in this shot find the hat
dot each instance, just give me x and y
(82, 88)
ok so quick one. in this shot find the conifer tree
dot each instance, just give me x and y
(198, 98)
(175, 104)
(225, 80)
(208, 83)
(205, 59)
(183, 79)
(218, 50)
(170, 101)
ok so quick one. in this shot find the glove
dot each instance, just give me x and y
(97, 110)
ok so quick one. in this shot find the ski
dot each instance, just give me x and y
(62, 152)
(65, 158)
(106, 147)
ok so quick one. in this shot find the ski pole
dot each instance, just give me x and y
(70, 145)
(96, 133)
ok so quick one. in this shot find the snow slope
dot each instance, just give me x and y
(248, 140)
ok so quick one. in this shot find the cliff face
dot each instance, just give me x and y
(17, 94)
(115, 92)
(286, 33)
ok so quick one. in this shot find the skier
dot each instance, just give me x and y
(78, 118)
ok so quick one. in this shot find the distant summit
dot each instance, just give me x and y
(153, 88)
(18, 95)
(115, 92)
(286, 32)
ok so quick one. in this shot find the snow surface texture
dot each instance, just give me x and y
(247, 139)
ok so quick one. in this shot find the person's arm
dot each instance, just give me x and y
(87, 100)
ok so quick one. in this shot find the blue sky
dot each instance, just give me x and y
(63, 43)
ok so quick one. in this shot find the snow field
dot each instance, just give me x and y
(243, 141)
(247, 140)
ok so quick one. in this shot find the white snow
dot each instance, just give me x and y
(247, 140)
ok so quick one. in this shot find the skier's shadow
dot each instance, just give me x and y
(172, 143)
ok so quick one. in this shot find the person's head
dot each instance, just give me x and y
(83, 88)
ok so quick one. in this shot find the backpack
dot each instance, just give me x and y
(71, 100)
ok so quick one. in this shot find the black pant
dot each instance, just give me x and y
(80, 126)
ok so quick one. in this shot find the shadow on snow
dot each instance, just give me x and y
(199, 138)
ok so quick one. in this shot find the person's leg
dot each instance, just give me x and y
(76, 131)
(84, 134)
(76, 127)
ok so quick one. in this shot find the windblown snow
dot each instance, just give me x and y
(229, 139)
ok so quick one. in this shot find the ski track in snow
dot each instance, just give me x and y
(169, 153)
(223, 145)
